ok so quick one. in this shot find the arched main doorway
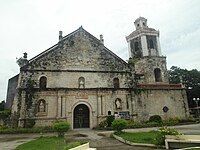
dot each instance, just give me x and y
(81, 116)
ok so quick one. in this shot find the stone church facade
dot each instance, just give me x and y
(81, 81)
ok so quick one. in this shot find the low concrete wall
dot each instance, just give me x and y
(181, 141)
(131, 143)
(83, 147)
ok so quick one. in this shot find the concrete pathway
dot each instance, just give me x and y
(98, 140)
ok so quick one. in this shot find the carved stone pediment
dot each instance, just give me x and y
(81, 95)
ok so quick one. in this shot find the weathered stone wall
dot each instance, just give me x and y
(152, 102)
(99, 103)
(79, 51)
(147, 65)
(70, 79)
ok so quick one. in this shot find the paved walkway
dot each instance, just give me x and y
(97, 138)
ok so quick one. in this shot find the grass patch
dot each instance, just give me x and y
(140, 137)
(44, 143)
(49, 143)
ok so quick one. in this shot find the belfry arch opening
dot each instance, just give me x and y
(151, 43)
(157, 74)
(81, 116)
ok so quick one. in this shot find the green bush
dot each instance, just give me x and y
(185, 120)
(103, 124)
(119, 124)
(155, 118)
(61, 127)
(152, 124)
(160, 139)
(109, 120)
(5, 130)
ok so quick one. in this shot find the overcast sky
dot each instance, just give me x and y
(32, 26)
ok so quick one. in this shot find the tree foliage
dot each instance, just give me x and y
(189, 78)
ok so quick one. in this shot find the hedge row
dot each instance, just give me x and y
(26, 130)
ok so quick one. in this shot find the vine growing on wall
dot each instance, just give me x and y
(133, 61)
(29, 92)
(134, 78)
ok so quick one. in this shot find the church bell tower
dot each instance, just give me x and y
(145, 52)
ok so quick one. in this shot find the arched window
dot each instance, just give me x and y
(42, 105)
(151, 44)
(116, 83)
(157, 73)
(136, 45)
(81, 82)
(43, 82)
(109, 113)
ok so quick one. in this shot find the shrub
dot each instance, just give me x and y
(155, 118)
(185, 120)
(61, 127)
(132, 124)
(171, 121)
(160, 139)
(119, 124)
(5, 130)
(152, 124)
(103, 124)
(109, 120)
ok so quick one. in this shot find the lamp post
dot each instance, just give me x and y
(196, 100)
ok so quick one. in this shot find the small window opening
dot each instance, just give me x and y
(157, 73)
(43, 83)
(116, 83)
(109, 113)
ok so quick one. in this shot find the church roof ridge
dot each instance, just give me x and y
(70, 34)
(52, 47)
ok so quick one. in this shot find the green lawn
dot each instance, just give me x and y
(140, 137)
(44, 143)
